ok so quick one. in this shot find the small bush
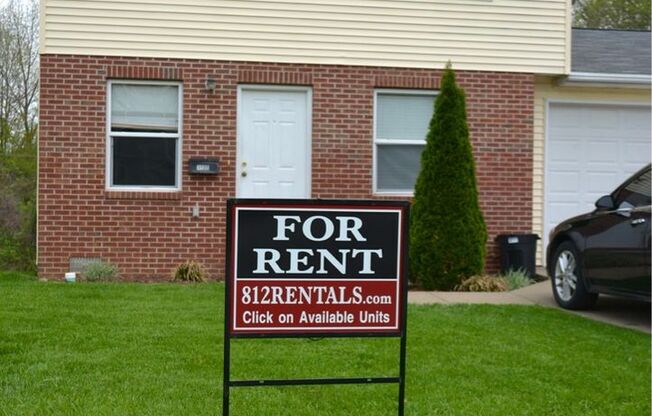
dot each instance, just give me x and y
(517, 279)
(190, 271)
(100, 271)
(482, 284)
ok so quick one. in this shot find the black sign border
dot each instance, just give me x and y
(404, 206)
(403, 283)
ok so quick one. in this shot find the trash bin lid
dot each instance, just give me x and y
(517, 238)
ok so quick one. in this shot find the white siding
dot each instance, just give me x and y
(500, 35)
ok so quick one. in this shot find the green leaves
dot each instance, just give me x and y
(447, 230)
(100, 271)
(18, 208)
(612, 14)
(18, 133)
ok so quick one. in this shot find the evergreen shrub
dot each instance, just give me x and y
(447, 229)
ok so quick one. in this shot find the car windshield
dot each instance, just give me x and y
(637, 192)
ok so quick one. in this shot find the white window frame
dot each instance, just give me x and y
(380, 141)
(110, 135)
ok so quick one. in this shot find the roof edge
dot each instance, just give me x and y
(611, 30)
(620, 80)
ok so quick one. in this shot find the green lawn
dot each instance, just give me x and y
(156, 349)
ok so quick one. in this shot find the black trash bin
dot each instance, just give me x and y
(518, 251)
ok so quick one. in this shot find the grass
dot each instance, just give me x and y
(156, 349)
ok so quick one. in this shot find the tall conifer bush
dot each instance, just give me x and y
(447, 230)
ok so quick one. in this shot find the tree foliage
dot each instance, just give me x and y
(18, 133)
(447, 230)
(612, 14)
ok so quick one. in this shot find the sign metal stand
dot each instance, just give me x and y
(401, 334)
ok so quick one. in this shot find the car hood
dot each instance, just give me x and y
(567, 224)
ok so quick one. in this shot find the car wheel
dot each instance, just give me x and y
(568, 285)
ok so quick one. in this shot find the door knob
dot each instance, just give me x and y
(243, 174)
(638, 221)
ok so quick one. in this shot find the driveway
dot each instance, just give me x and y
(616, 311)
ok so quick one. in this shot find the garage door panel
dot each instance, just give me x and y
(636, 153)
(563, 181)
(629, 171)
(590, 149)
(565, 150)
(599, 151)
(564, 208)
(636, 119)
(597, 181)
(565, 119)
(602, 118)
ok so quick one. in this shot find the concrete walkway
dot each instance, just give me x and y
(616, 311)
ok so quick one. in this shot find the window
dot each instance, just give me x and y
(401, 122)
(636, 193)
(144, 135)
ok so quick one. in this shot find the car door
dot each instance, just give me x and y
(617, 255)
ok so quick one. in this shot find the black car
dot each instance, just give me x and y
(604, 251)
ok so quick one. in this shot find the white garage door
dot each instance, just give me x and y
(590, 150)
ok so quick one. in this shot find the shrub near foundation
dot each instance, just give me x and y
(483, 284)
(189, 271)
(517, 279)
(100, 271)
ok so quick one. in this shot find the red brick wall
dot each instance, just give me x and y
(147, 234)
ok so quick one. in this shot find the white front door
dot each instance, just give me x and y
(273, 143)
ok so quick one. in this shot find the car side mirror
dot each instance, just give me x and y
(605, 203)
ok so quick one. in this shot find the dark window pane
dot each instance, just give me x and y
(144, 161)
(398, 166)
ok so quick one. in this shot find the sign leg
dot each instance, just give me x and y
(227, 375)
(401, 385)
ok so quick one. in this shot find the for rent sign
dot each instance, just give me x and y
(326, 267)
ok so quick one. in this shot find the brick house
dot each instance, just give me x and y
(306, 99)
